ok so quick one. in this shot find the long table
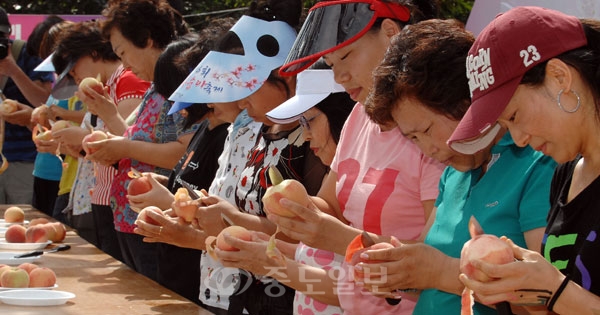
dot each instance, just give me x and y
(102, 285)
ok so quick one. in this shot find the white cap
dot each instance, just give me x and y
(312, 87)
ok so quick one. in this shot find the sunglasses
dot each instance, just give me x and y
(305, 123)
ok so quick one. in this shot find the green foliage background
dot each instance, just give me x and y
(196, 12)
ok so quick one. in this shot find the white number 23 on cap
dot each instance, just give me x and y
(530, 55)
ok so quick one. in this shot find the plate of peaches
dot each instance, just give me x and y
(27, 276)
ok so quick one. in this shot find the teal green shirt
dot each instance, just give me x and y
(511, 198)
(47, 166)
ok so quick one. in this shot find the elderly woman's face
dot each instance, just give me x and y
(430, 131)
(141, 61)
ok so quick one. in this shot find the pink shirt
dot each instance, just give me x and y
(382, 179)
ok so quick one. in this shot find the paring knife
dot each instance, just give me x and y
(34, 253)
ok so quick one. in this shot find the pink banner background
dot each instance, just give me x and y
(23, 24)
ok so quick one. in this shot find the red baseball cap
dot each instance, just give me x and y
(508, 47)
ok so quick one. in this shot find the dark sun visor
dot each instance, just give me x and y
(331, 25)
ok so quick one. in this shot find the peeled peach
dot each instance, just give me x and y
(484, 247)
(183, 208)
(92, 83)
(290, 189)
(14, 214)
(14, 278)
(61, 124)
(8, 106)
(96, 135)
(15, 234)
(39, 115)
(42, 277)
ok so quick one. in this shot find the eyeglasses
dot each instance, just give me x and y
(305, 123)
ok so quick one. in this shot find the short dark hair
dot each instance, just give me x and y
(425, 61)
(81, 40)
(141, 20)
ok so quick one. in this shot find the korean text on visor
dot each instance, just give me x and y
(331, 25)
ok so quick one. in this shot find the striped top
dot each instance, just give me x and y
(123, 85)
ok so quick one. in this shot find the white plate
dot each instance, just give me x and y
(7, 258)
(7, 224)
(35, 297)
(23, 246)
(45, 288)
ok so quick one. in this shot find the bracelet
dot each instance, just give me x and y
(560, 289)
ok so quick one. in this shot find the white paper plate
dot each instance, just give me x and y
(7, 258)
(23, 246)
(3, 223)
(45, 288)
(35, 297)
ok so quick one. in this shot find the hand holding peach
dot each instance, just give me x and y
(220, 243)
(96, 135)
(8, 106)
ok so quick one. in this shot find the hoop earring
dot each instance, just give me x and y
(566, 110)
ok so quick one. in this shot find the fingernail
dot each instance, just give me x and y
(358, 267)
(364, 256)
(359, 283)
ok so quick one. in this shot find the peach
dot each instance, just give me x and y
(28, 267)
(14, 214)
(61, 124)
(51, 231)
(39, 115)
(42, 277)
(290, 189)
(60, 231)
(14, 278)
(484, 247)
(3, 268)
(138, 186)
(236, 231)
(43, 136)
(37, 221)
(183, 208)
(93, 83)
(36, 234)
(96, 135)
(143, 216)
(8, 106)
(15, 234)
